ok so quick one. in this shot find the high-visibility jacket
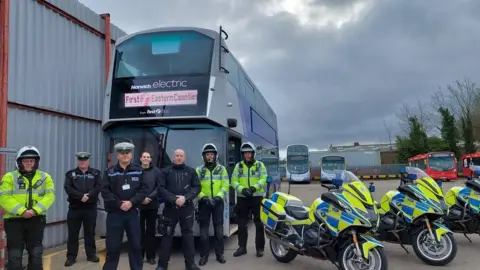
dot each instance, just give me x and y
(17, 193)
(245, 177)
(213, 184)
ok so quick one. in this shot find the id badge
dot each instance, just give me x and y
(126, 187)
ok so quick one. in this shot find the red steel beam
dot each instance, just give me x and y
(108, 45)
(4, 42)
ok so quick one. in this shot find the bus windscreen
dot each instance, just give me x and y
(442, 162)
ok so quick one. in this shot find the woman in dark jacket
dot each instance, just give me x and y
(149, 208)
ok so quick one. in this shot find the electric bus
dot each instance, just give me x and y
(179, 88)
(298, 165)
(332, 167)
(438, 165)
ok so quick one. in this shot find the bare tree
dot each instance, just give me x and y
(464, 96)
(388, 129)
(420, 111)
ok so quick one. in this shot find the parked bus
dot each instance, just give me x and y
(438, 165)
(469, 160)
(331, 167)
(298, 166)
(179, 88)
(271, 161)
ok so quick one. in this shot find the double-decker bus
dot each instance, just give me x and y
(469, 160)
(298, 166)
(331, 167)
(270, 158)
(438, 165)
(179, 88)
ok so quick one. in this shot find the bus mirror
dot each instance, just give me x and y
(232, 122)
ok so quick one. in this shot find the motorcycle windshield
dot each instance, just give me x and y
(426, 182)
(358, 189)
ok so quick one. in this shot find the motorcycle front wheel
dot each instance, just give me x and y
(350, 260)
(282, 253)
(432, 252)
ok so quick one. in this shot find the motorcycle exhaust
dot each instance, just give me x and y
(275, 238)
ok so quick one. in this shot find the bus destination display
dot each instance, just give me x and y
(158, 97)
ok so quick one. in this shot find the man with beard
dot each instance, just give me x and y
(214, 189)
(26, 194)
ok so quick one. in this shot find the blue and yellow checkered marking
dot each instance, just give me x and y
(268, 211)
(411, 208)
(336, 220)
(472, 198)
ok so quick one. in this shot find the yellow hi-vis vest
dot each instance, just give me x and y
(16, 191)
(213, 184)
(245, 177)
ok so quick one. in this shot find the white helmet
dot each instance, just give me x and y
(247, 147)
(209, 147)
(27, 151)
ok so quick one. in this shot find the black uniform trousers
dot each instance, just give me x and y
(148, 221)
(23, 233)
(76, 217)
(185, 216)
(206, 212)
(118, 223)
(245, 205)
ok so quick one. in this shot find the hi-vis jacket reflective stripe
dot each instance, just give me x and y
(16, 191)
(213, 184)
(244, 177)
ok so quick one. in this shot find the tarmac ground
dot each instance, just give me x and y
(398, 259)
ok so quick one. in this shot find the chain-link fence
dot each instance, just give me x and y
(7, 163)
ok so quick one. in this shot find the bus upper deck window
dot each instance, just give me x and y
(166, 45)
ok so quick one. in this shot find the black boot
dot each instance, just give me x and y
(94, 259)
(221, 258)
(151, 261)
(240, 252)
(162, 267)
(70, 262)
(260, 252)
(193, 267)
(203, 260)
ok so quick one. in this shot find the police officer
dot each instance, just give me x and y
(178, 186)
(149, 208)
(123, 190)
(82, 185)
(26, 194)
(214, 189)
(248, 179)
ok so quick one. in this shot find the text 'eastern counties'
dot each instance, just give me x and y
(150, 99)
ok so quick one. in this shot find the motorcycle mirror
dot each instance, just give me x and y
(412, 176)
(371, 188)
(337, 182)
(440, 183)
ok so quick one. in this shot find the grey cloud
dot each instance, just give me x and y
(343, 81)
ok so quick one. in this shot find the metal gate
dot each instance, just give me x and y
(7, 163)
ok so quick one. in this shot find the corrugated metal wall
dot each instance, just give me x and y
(58, 65)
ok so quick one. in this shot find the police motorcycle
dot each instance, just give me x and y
(412, 215)
(333, 228)
(463, 206)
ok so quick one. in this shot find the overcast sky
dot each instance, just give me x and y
(331, 69)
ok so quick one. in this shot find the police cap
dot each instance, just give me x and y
(83, 155)
(124, 147)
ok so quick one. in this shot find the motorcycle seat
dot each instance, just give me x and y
(297, 212)
(473, 185)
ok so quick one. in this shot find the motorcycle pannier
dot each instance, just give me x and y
(271, 214)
